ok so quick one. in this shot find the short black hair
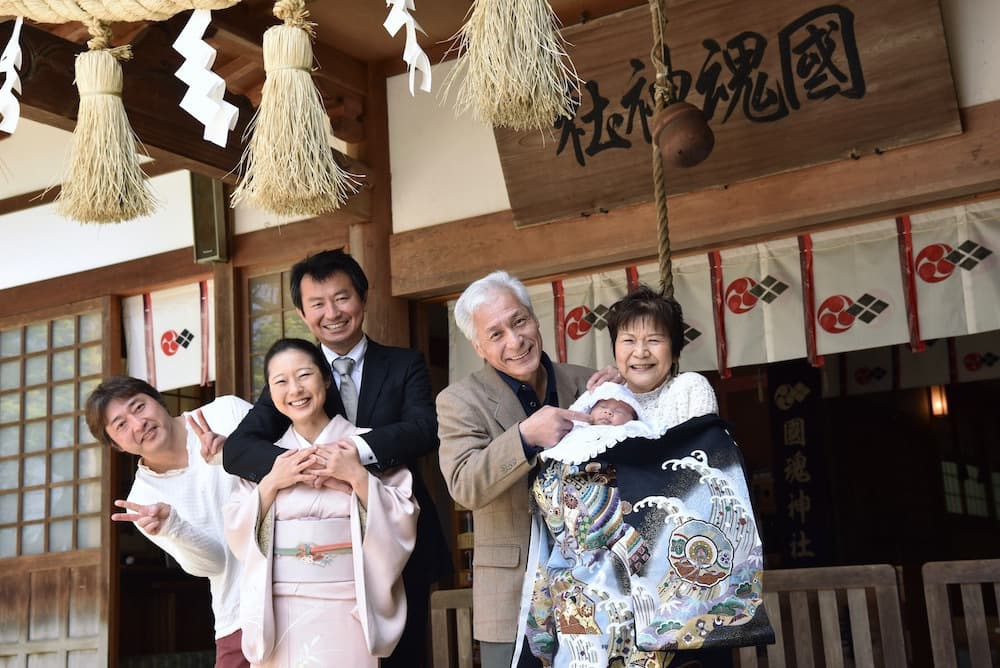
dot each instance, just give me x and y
(322, 266)
(281, 345)
(116, 387)
(644, 303)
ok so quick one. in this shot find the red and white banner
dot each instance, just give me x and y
(908, 281)
(586, 302)
(956, 269)
(859, 301)
(169, 336)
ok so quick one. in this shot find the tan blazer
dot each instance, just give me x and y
(483, 463)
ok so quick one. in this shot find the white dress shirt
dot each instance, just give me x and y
(357, 353)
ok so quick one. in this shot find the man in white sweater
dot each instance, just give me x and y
(180, 487)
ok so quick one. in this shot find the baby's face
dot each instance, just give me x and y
(612, 412)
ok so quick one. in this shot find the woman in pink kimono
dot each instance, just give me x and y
(321, 583)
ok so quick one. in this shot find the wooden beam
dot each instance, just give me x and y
(274, 245)
(151, 95)
(227, 320)
(443, 259)
(163, 270)
(290, 243)
(849, 190)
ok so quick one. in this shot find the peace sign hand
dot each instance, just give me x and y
(149, 518)
(211, 443)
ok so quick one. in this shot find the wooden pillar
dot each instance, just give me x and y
(387, 320)
(225, 335)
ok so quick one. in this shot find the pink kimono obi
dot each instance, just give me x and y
(322, 576)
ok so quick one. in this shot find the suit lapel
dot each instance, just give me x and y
(566, 388)
(507, 409)
(373, 374)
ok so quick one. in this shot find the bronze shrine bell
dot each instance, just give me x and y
(683, 135)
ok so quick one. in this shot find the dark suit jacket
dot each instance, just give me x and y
(396, 402)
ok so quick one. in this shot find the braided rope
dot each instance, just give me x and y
(100, 40)
(295, 15)
(662, 96)
(63, 11)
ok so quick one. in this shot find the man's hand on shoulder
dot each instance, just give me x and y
(549, 424)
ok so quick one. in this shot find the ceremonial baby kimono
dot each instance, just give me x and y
(643, 544)
(322, 577)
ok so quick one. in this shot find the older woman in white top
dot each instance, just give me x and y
(576, 611)
(647, 332)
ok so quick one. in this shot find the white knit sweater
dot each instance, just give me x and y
(193, 534)
(678, 400)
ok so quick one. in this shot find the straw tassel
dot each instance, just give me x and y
(103, 182)
(517, 72)
(288, 167)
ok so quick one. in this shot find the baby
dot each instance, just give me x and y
(616, 416)
(613, 412)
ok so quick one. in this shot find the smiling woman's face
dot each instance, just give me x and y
(643, 355)
(297, 386)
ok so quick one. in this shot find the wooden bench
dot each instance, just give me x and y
(852, 607)
(975, 631)
(451, 641)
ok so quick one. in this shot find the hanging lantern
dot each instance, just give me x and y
(683, 135)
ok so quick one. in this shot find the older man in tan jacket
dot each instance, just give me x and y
(492, 424)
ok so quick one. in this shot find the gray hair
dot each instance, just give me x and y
(481, 291)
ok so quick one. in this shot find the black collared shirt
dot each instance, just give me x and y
(529, 399)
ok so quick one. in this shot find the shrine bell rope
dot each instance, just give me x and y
(662, 96)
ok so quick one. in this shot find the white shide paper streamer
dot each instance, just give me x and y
(203, 99)
(10, 63)
(413, 55)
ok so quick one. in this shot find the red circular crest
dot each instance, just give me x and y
(576, 326)
(168, 342)
(833, 316)
(931, 264)
(738, 297)
(863, 376)
(973, 361)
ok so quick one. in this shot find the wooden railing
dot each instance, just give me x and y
(833, 617)
(820, 612)
(976, 632)
(448, 639)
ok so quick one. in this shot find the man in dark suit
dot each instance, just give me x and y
(382, 387)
